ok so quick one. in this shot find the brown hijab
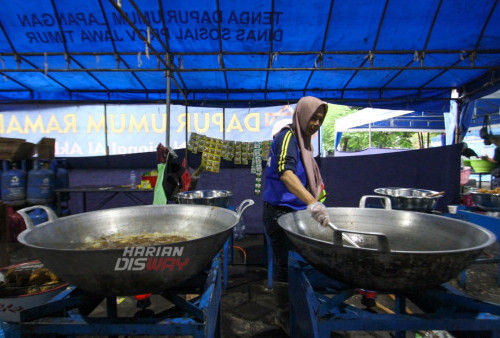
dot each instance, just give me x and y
(305, 109)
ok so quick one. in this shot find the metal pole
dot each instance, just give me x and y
(369, 135)
(167, 128)
(224, 123)
(106, 129)
(186, 137)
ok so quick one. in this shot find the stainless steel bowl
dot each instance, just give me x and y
(485, 201)
(410, 198)
(217, 198)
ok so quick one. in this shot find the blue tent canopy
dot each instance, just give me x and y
(380, 53)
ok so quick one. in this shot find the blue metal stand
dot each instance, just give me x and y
(68, 315)
(318, 308)
(269, 257)
(485, 221)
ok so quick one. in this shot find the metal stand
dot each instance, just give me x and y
(318, 308)
(68, 314)
(485, 221)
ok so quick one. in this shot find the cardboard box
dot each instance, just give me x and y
(46, 148)
(15, 149)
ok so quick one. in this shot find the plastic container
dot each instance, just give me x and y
(38, 216)
(239, 229)
(133, 183)
(13, 184)
(41, 185)
(13, 305)
(464, 175)
(481, 166)
(152, 180)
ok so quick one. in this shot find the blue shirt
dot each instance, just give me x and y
(283, 155)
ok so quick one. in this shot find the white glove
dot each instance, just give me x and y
(319, 213)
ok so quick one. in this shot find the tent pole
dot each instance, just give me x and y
(369, 135)
(167, 128)
(106, 128)
(186, 137)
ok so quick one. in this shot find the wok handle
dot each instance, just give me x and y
(387, 200)
(382, 241)
(245, 204)
(51, 215)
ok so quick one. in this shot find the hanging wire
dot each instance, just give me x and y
(3, 67)
(45, 64)
(274, 58)
(180, 62)
(318, 63)
(117, 59)
(139, 61)
(462, 55)
(472, 57)
(67, 59)
(18, 61)
(418, 56)
(97, 59)
(370, 58)
(148, 39)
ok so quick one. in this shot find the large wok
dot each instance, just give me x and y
(405, 251)
(58, 244)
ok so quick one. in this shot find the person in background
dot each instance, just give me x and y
(468, 152)
(292, 182)
(495, 173)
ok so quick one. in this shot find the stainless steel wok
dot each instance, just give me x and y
(218, 198)
(411, 199)
(399, 251)
(486, 201)
(130, 271)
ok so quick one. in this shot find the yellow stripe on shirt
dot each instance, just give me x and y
(284, 148)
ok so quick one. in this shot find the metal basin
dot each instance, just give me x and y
(134, 270)
(405, 251)
(410, 198)
(485, 201)
(218, 198)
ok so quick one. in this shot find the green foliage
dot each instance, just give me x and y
(361, 140)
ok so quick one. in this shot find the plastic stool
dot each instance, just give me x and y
(270, 256)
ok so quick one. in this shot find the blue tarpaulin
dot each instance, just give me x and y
(368, 53)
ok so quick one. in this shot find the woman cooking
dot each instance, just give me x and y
(292, 182)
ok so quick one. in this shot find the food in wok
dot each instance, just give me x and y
(116, 241)
(489, 191)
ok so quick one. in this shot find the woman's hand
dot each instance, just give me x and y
(319, 213)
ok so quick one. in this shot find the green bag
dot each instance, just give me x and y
(159, 194)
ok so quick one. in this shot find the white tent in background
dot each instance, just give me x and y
(363, 117)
